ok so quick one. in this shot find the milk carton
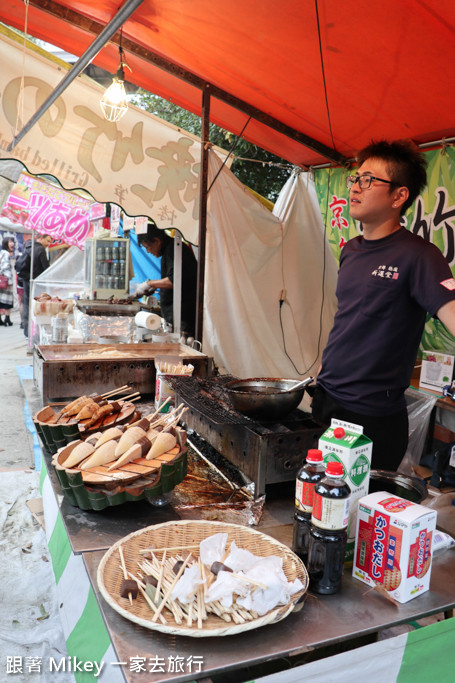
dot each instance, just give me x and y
(394, 545)
(347, 443)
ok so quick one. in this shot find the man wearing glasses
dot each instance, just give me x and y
(388, 280)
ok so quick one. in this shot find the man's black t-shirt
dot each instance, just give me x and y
(385, 288)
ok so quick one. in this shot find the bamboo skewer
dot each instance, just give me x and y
(150, 603)
(169, 591)
(152, 415)
(116, 391)
(245, 579)
(160, 577)
(130, 397)
(125, 573)
(175, 547)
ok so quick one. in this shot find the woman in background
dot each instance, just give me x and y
(6, 269)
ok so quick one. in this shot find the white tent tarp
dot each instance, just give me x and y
(252, 258)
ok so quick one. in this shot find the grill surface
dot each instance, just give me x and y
(266, 451)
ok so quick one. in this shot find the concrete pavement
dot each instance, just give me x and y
(16, 444)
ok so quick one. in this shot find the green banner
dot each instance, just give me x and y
(432, 216)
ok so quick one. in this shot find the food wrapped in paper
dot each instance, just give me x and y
(240, 559)
(212, 548)
(224, 588)
(186, 587)
(269, 572)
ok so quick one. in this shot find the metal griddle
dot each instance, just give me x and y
(104, 307)
(267, 452)
(64, 371)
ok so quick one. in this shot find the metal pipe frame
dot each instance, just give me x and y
(100, 41)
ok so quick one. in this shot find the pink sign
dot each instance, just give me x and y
(50, 210)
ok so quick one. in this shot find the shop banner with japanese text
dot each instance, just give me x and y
(147, 166)
(432, 217)
(49, 210)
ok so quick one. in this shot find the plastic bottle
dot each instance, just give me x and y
(328, 537)
(308, 476)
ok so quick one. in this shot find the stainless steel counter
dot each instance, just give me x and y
(356, 612)
(97, 530)
(323, 621)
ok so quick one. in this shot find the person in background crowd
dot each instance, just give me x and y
(388, 280)
(40, 264)
(6, 269)
(159, 243)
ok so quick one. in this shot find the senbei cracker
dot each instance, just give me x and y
(393, 545)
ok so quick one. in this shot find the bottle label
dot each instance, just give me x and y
(330, 513)
(304, 494)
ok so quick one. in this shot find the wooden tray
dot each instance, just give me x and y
(184, 533)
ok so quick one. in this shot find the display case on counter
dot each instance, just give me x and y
(107, 267)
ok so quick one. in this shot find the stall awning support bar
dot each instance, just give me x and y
(100, 41)
(205, 134)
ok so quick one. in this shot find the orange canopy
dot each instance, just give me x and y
(329, 75)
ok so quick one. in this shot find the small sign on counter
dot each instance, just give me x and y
(437, 370)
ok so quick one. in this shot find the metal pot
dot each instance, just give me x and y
(264, 398)
(410, 488)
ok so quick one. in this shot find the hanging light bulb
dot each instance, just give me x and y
(114, 103)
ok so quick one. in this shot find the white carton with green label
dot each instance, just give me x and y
(346, 443)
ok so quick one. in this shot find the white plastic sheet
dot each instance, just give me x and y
(252, 256)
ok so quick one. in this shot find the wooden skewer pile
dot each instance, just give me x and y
(174, 369)
(164, 574)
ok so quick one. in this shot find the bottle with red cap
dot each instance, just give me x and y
(328, 536)
(308, 476)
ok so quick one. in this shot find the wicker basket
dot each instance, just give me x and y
(190, 533)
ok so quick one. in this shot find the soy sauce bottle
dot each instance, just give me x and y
(308, 476)
(328, 536)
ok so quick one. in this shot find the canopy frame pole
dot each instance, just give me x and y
(203, 193)
(100, 41)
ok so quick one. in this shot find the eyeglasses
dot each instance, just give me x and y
(364, 181)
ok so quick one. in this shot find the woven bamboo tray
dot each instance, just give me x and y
(184, 533)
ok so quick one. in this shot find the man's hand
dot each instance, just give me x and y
(142, 289)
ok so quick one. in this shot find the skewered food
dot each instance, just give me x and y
(87, 410)
(109, 434)
(163, 443)
(101, 412)
(101, 456)
(128, 439)
(137, 450)
(79, 453)
(129, 587)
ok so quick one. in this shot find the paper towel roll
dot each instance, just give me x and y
(150, 321)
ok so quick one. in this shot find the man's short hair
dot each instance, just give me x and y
(405, 163)
(152, 233)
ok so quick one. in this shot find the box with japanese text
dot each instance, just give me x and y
(346, 443)
(393, 545)
(436, 371)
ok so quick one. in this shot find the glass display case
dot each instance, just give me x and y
(106, 268)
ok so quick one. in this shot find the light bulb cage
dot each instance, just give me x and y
(114, 103)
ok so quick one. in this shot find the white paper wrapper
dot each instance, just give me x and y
(240, 559)
(212, 549)
(269, 571)
(187, 585)
(224, 587)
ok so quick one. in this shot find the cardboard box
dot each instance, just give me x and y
(394, 545)
(437, 370)
(346, 443)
